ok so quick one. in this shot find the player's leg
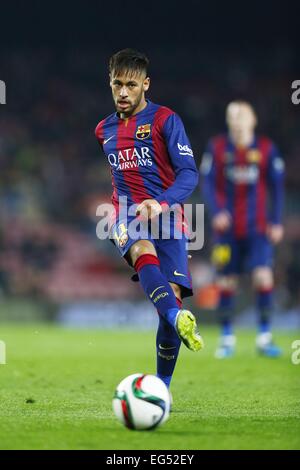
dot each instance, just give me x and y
(226, 256)
(167, 344)
(174, 265)
(225, 311)
(143, 256)
(140, 253)
(263, 284)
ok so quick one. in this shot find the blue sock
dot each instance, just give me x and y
(157, 287)
(226, 307)
(264, 304)
(167, 350)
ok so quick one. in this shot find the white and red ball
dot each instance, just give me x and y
(142, 402)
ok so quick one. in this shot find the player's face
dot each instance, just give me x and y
(241, 121)
(128, 92)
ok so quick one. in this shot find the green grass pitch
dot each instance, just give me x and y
(57, 386)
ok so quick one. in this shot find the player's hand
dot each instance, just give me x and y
(149, 209)
(275, 233)
(221, 222)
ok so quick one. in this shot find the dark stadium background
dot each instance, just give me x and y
(53, 59)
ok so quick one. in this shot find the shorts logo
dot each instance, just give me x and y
(178, 274)
(143, 132)
(121, 235)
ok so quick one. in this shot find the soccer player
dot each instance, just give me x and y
(152, 165)
(241, 170)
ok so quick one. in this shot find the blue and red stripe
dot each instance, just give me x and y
(219, 148)
(240, 210)
(264, 145)
(126, 130)
(161, 154)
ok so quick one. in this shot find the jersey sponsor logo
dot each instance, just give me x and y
(143, 132)
(242, 174)
(107, 140)
(185, 150)
(254, 156)
(131, 158)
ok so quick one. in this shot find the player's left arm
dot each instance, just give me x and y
(275, 178)
(182, 158)
(186, 172)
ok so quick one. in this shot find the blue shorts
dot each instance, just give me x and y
(233, 256)
(172, 253)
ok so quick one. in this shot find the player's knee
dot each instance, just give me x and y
(140, 248)
(263, 278)
(177, 290)
(227, 283)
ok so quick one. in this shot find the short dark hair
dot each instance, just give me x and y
(129, 61)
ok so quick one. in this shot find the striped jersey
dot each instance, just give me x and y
(247, 182)
(150, 156)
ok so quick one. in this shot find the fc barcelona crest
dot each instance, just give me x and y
(254, 156)
(121, 235)
(143, 132)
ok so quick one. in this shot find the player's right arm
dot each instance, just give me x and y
(221, 219)
(99, 133)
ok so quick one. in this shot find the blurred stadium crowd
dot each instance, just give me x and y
(53, 175)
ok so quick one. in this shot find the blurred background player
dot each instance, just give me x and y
(152, 165)
(241, 172)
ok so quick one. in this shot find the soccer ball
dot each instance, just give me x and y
(142, 402)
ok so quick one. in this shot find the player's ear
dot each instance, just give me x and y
(146, 84)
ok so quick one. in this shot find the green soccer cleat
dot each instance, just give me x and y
(186, 328)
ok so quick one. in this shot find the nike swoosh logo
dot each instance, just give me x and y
(166, 349)
(107, 140)
(179, 274)
(151, 295)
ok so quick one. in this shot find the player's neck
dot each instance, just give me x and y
(243, 141)
(142, 105)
